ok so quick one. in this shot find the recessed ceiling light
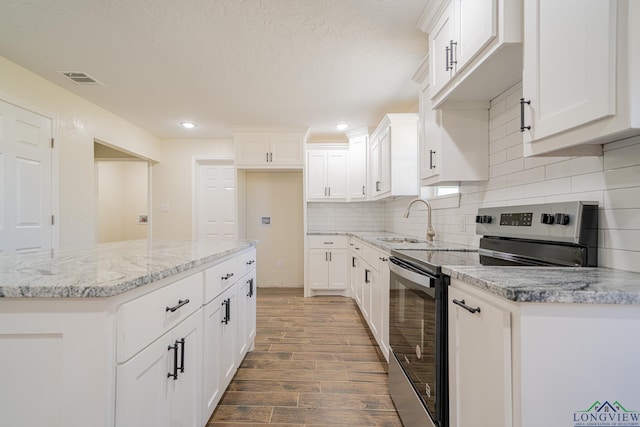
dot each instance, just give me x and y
(342, 126)
(188, 125)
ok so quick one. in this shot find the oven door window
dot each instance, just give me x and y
(415, 336)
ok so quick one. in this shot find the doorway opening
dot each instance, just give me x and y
(123, 183)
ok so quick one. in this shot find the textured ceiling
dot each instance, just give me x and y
(226, 63)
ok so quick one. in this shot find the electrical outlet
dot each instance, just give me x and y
(280, 263)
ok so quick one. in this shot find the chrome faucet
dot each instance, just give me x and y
(430, 231)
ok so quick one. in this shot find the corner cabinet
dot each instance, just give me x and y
(326, 173)
(393, 168)
(580, 75)
(476, 48)
(266, 149)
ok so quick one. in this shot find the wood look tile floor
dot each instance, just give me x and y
(315, 364)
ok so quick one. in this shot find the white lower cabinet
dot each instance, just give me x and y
(246, 314)
(159, 355)
(160, 386)
(479, 362)
(532, 364)
(328, 263)
(372, 290)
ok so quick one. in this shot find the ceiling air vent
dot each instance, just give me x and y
(80, 78)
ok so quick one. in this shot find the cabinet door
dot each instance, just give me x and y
(476, 26)
(367, 282)
(318, 268)
(252, 149)
(338, 268)
(211, 380)
(337, 174)
(142, 386)
(385, 162)
(375, 174)
(316, 175)
(384, 306)
(440, 69)
(358, 169)
(353, 274)
(246, 315)
(375, 313)
(186, 391)
(569, 64)
(479, 363)
(429, 152)
(228, 336)
(286, 150)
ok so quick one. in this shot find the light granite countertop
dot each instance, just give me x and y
(107, 269)
(581, 285)
(374, 238)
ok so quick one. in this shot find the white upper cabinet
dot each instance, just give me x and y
(357, 169)
(393, 169)
(453, 144)
(580, 75)
(327, 174)
(475, 48)
(266, 149)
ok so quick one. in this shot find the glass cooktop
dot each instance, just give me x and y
(433, 260)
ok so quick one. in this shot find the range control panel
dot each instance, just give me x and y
(550, 221)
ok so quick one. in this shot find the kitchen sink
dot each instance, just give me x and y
(400, 240)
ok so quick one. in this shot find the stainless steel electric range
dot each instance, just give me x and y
(554, 234)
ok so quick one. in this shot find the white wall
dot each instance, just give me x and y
(79, 122)
(613, 180)
(122, 196)
(172, 182)
(279, 196)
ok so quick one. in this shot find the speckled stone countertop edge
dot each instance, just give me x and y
(590, 285)
(159, 266)
(373, 238)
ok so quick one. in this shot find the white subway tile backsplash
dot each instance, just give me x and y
(622, 198)
(526, 176)
(620, 219)
(575, 166)
(548, 188)
(506, 168)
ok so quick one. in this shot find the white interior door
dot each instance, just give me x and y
(25, 180)
(216, 204)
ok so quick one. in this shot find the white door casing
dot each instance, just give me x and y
(26, 180)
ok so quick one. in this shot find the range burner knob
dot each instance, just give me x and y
(562, 219)
(483, 219)
(547, 219)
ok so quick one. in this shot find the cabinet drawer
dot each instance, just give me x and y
(246, 262)
(220, 277)
(328, 242)
(144, 319)
(372, 256)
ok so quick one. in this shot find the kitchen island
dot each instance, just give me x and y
(123, 334)
(548, 346)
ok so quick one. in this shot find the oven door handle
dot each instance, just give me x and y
(411, 273)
